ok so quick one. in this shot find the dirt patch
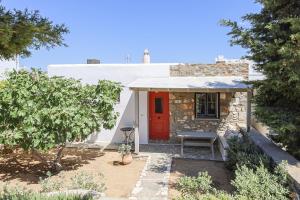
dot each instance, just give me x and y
(185, 167)
(20, 169)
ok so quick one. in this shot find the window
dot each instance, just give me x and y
(158, 105)
(207, 105)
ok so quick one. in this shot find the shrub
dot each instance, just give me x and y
(281, 173)
(49, 184)
(87, 181)
(124, 149)
(200, 188)
(254, 177)
(243, 152)
(259, 183)
(191, 186)
(218, 196)
(22, 194)
(249, 183)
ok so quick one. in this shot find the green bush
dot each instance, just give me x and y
(243, 152)
(281, 173)
(87, 181)
(124, 149)
(218, 196)
(192, 186)
(259, 183)
(249, 184)
(200, 188)
(22, 194)
(209, 196)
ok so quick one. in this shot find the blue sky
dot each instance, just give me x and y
(173, 30)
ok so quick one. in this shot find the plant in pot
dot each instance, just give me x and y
(125, 151)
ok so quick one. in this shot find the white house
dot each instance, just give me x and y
(160, 99)
(125, 74)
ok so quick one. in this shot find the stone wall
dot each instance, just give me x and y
(218, 69)
(182, 113)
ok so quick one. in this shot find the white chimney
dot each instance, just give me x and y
(220, 59)
(146, 59)
(92, 61)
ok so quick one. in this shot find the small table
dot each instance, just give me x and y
(128, 131)
(211, 136)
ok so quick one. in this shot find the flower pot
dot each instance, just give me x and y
(127, 159)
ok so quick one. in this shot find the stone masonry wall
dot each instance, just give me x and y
(233, 105)
(218, 69)
(182, 113)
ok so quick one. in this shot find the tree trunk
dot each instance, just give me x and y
(57, 161)
(39, 157)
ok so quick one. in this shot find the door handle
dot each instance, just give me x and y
(158, 117)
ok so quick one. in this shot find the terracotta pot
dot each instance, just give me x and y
(127, 159)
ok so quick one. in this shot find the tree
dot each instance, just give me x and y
(38, 113)
(272, 37)
(21, 31)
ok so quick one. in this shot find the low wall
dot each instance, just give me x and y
(260, 127)
(277, 154)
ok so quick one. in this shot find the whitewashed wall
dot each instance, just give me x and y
(7, 65)
(143, 117)
(125, 74)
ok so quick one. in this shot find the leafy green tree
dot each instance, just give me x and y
(272, 37)
(39, 113)
(21, 31)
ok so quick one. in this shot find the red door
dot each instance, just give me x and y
(158, 115)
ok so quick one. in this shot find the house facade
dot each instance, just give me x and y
(212, 110)
(160, 100)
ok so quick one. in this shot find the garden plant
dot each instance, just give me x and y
(39, 113)
(254, 177)
(125, 152)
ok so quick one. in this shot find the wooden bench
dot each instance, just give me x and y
(197, 138)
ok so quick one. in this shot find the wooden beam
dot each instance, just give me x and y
(136, 123)
(207, 90)
(249, 97)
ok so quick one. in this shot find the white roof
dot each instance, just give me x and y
(191, 83)
(111, 65)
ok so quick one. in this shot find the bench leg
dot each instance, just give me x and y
(212, 150)
(181, 153)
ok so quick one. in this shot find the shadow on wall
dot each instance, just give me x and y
(222, 85)
(125, 119)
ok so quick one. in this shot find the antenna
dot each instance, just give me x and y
(128, 58)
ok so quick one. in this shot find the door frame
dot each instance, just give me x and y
(148, 117)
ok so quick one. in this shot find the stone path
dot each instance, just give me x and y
(153, 182)
(154, 179)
